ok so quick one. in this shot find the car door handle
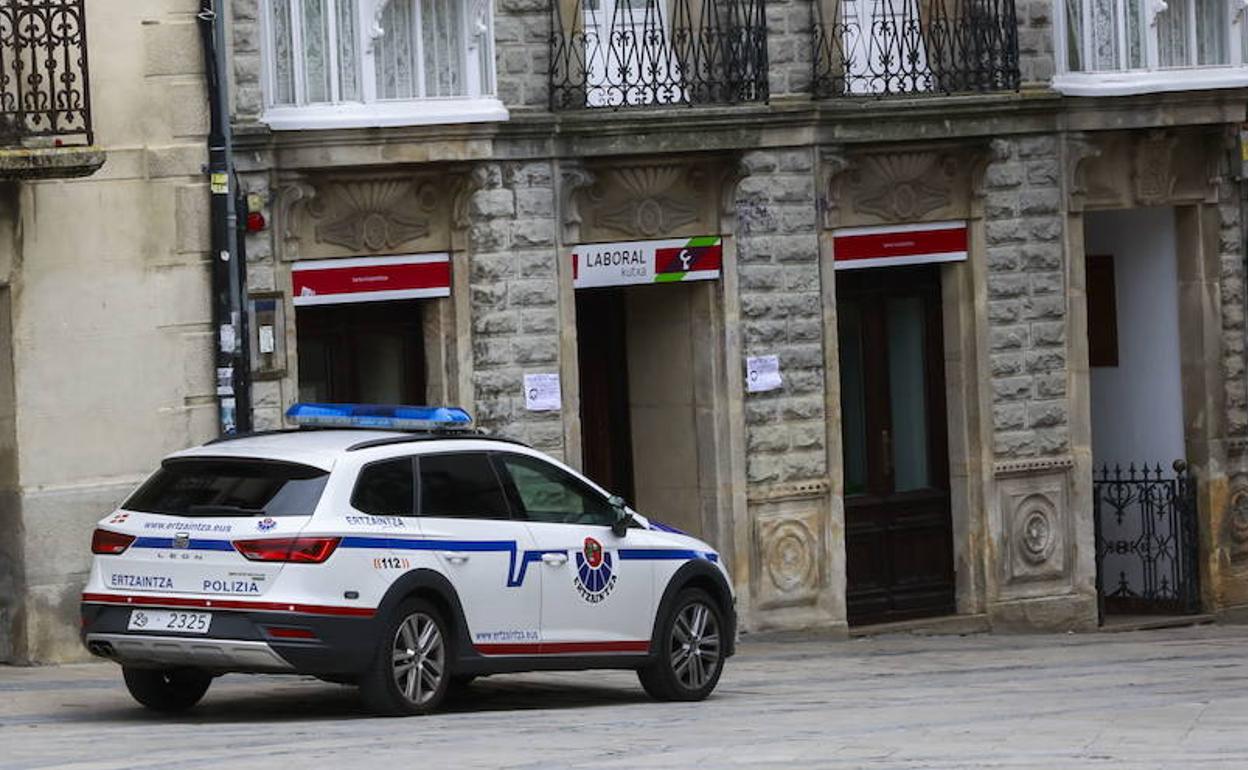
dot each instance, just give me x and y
(555, 559)
(455, 557)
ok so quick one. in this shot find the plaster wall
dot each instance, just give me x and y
(1137, 406)
(111, 338)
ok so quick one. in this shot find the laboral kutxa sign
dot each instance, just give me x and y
(633, 262)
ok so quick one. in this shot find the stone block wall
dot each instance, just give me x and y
(522, 52)
(245, 40)
(1035, 41)
(1026, 299)
(781, 314)
(1231, 255)
(514, 284)
(789, 27)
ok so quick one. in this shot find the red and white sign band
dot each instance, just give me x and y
(371, 279)
(637, 262)
(916, 244)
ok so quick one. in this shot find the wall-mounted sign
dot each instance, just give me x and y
(370, 279)
(541, 392)
(634, 262)
(762, 373)
(916, 244)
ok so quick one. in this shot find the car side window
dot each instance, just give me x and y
(551, 495)
(385, 488)
(461, 485)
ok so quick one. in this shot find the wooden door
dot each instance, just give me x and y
(602, 352)
(899, 539)
(368, 353)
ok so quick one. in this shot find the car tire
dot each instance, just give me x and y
(689, 657)
(409, 673)
(166, 690)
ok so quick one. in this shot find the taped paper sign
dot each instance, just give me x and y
(541, 393)
(762, 373)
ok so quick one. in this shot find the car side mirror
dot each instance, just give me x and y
(623, 518)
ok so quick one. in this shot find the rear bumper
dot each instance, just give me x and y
(237, 641)
(142, 651)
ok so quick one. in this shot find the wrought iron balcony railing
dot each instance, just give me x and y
(881, 47)
(44, 90)
(638, 53)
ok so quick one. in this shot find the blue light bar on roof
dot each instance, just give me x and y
(378, 416)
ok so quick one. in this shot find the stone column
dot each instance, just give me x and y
(513, 288)
(792, 537)
(1039, 518)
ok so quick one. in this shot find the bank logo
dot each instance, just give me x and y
(595, 574)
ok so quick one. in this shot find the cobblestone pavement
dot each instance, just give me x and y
(1176, 698)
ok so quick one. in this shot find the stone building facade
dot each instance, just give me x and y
(1038, 173)
(105, 323)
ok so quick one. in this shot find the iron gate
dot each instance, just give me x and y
(1146, 547)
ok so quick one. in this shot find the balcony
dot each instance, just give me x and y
(915, 47)
(45, 101)
(613, 54)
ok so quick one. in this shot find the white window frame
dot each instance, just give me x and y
(1152, 78)
(480, 105)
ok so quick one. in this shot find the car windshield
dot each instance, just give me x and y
(203, 488)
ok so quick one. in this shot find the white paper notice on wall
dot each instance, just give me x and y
(541, 392)
(762, 373)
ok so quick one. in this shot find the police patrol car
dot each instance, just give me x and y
(397, 549)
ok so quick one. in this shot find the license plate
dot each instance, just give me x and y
(170, 620)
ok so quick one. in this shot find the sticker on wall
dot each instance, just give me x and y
(762, 373)
(370, 279)
(541, 393)
(895, 245)
(629, 263)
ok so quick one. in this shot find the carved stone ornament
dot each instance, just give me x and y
(1237, 521)
(649, 210)
(1034, 530)
(1079, 151)
(1035, 535)
(574, 179)
(903, 187)
(291, 195)
(373, 215)
(1154, 169)
(788, 543)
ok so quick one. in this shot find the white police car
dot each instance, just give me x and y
(408, 558)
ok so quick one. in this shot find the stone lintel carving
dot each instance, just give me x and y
(730, 178)
(644, 198)
(898, 186)
(373, 214)
(1154, 168)
(362, 213)
(650, 206)
(789, 549)
(1032, 466)
(1158, 167)
(798, 490)
(1034, 524)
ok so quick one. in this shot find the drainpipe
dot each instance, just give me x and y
(231, 358)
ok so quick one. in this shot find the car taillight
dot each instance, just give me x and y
(105, 542)
(303, 550)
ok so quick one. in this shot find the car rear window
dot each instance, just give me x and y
(205, 488)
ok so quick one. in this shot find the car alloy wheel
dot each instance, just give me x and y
(695, 646)
(419, 658)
